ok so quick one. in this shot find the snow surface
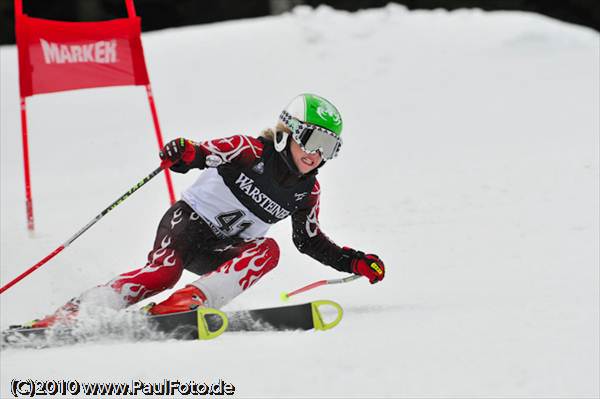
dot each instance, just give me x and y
(470, 165)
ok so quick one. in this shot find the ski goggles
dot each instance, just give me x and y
(312, 138)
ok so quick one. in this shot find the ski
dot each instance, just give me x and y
(201, 323)
(307, 316)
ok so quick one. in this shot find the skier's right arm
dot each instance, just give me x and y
(181, 155)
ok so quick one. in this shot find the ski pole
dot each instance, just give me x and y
(286, 295)
(85, 228)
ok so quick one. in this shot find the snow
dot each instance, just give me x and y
(470, 165)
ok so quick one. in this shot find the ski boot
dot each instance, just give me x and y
(65, 315)
(188, 298)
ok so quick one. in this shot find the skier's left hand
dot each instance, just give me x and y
(368, 265)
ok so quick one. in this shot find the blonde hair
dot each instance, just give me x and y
(269, 133)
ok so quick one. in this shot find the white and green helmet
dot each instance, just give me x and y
(315, 123)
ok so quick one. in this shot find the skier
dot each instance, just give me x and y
(217, 230)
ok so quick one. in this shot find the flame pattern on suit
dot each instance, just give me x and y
(162, 271)
(177, 218)
(312, 220)
(256, 258)
(239, 148)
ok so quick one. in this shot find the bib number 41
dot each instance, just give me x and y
(232, 221)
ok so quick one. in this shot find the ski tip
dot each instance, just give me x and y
(284, 297)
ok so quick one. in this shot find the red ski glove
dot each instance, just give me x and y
(368, 265)
(178, 155)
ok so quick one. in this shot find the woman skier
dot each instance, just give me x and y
(217, 230)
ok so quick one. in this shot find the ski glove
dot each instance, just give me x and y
(178, 155)
(368, 265)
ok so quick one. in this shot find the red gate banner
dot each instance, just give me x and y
(57, 56)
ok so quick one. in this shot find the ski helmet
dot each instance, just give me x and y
(315, 124)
